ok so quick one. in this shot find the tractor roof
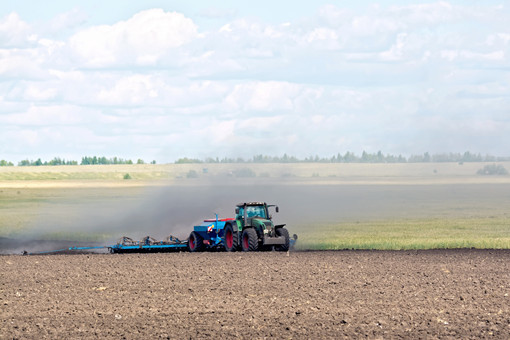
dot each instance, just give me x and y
(250, 203)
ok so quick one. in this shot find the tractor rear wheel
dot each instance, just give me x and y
(195, 242)
(231, 239)
(250, 241)
(285, 233)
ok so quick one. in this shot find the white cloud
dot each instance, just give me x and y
(67, 20)
(324, 38)
(14, 32)
(158, 90)
(263, 96)
(396, 51)
(453, 55)
(333, 16)
(263, 124)
(373, 25)
(498, 39)
(51, 115)
(133, 90)
(21, 64)
(39, 93)
(427, 13)
(144, 39)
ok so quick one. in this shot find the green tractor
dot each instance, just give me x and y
(253, 229)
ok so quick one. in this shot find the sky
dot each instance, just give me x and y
(161, 80)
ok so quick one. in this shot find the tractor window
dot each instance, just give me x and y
(240, 215)
(253, 211)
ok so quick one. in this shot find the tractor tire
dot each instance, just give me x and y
(250, 240)
(195, 242)
(285, 233)
(231, 239)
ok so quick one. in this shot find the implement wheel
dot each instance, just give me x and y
(285, 233)
(250, 241)
(195, 242)
(231, 240)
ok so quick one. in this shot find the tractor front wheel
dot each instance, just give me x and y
(195, 242)
(250, 240)
(285, 233)
(231, 239)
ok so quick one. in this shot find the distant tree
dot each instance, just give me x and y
(5, 163)
(380, 157)
(493, 169)
(350, 157)
(489, 158)
(55, 161)
(140, 161)
(426, 157)
(187, 160)
(365, 157)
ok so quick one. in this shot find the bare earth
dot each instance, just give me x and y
(374, 294)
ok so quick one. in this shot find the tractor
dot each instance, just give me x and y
(252, 229)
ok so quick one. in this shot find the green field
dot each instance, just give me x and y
(481, 233)
(330, 206)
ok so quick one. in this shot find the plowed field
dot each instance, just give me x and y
(374, 294)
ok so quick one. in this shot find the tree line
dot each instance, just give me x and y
(107, 161)
(350, 157)
(84, 161)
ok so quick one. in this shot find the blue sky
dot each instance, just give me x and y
(167, 79)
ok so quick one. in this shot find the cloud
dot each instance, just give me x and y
(14, 32)
(341, 78)
(21, 64)
(455, 55)
(133, 90)
(51, 115)
(263, 96)
(427, 13)
(144, 39)
(67, 20)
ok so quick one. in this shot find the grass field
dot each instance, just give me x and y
(330, 206)
(433, 233)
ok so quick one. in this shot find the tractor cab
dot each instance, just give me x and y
(252, 210)
(246, 212)
(256, 215)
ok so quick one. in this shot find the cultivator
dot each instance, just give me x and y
(252, 229)
(148, 244)
(128, 245)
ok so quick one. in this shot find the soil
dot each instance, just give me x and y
(374, 294)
